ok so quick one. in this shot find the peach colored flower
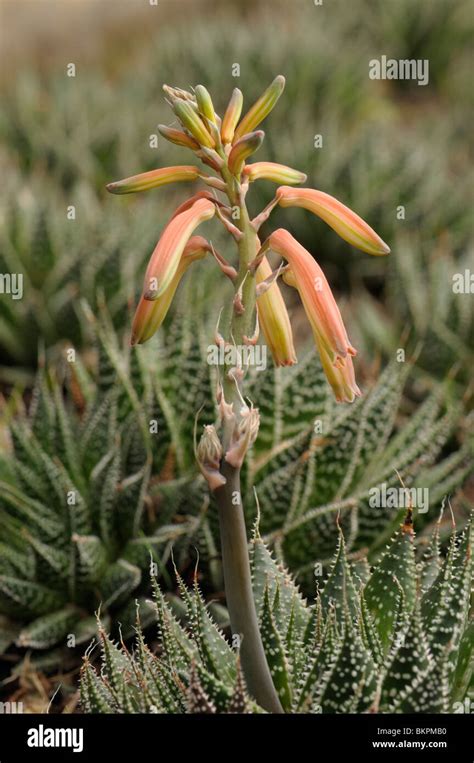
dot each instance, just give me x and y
(166, 257)
(340, 218)
(316, 295)
(322, 312)
(150, 314)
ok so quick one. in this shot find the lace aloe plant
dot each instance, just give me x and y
(397, 638)
(73, 494)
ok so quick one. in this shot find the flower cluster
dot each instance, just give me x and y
(224, 145)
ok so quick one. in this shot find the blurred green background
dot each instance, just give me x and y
(385, 144)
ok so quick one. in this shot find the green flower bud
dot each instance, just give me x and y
(232, 116)
(192, 122)
(244, 148)
(261, 108)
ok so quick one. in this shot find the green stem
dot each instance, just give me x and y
(239, 594)
(234, 544)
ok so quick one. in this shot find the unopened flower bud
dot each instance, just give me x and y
(178, 137)
(243, 437)
(232, 116)
(208, 455)
(261, 108)
(154, 179)
(277, 173)
(204, 103)
(244, 148)
(192, 122)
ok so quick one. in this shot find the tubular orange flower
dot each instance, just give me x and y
(340, 377)
(340, 218)
(277, 173)
(316, 295)
(154, 179)
(165, 259)
(274, 319)
(150, 314)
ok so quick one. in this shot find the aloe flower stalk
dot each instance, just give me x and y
(225, 146)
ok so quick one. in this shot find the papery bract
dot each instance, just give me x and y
(243, 436)
(208, 456)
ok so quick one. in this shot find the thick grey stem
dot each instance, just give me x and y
(238, 587)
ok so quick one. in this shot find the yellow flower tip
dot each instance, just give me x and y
(341, 379)
(261, 108)
(154, 179)
(347, 224)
